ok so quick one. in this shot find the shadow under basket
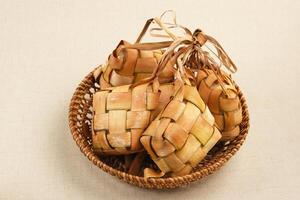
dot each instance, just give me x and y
(80, 116)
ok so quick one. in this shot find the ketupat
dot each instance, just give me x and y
(221, 97)
(181, 136)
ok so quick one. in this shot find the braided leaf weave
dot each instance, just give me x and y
(129, 66)
(120, 116)
(182, 134)
(226, 108)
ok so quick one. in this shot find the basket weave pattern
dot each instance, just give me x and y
(132, 66)
(120, 116)
(80, 122)
(183, 133)
(226, 108)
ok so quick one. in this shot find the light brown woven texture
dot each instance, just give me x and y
(131, 66)
(121, 113)
(222, 100)
(120, 116)
(80, 115)
(181, 136)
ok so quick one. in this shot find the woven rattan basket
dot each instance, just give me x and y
(80, 124)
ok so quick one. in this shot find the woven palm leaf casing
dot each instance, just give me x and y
(129, 66)
(226, 108)
(120, 115)
(182, 134)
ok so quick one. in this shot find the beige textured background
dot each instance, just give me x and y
(47, 47)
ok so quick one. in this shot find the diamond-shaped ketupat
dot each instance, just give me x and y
(181, 136)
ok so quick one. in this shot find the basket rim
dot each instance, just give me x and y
(154, 183)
